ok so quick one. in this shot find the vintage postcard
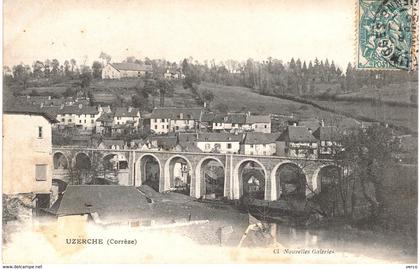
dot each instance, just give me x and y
(229, 131)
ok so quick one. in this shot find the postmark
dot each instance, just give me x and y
(387, 36)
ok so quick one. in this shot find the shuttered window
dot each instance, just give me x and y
(41, 172)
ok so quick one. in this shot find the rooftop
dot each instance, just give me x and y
(132, 67)
(176, 113)
(111, 202)
(219, 137)
(261, 138)
(297, 134)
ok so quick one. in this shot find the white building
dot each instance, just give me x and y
(230, 122)
(297, 141)
(258, 123)
(166, 119)
(125, 70)
(219, 142)
(260, 144)
(127, 115)
(27, 152)
(80, 116)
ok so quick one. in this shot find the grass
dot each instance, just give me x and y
(245, 99)
(394, 92)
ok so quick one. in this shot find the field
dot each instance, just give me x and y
(397, 115)
(244, 99)
(393, 92)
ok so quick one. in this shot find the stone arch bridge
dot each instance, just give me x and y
(232, 165)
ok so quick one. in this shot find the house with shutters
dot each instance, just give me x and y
(79, 116)
(27, 158)
(219, 142)
(126, 70)
(256, 143)
(297, 142)
(170, 119)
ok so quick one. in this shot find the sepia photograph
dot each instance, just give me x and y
(228, 132)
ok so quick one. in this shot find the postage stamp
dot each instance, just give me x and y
(387, 37)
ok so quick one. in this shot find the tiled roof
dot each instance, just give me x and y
(261, 138)
(235, 118)
(126, 112)
(176, 113)
(165, 142)
(258, 119)
(79, 110)
(106, 117)
(187, 137)
(297, 134)
(207, 116)
(219, 137)
(327, 133)
(132, 67)
(14, 107)
(111, 202)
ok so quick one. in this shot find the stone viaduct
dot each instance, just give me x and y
(232, 165)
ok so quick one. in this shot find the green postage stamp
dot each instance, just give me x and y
(387, 37)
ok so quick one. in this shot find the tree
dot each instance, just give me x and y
(21, 74)
(105, 57)
(55, 68)
(207, 96)
(85, 77)
(38, 69)
(97, 69)
(165, 87)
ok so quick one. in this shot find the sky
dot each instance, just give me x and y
(173, 30)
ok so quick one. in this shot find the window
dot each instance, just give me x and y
(85, 121)
(69, 120)
(62, 120)
(91, 121)
(92, 115)
(265, 126)
(207, 146)
(80, 121)
(40, 172)
(39, 132)
(163, 126)
(155, 127)
(229, 145)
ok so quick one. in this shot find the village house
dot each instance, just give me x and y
(258, 123)
(27, 148)
(256, 143)
(126, 115)
(230, 122)
(112, 144)
(166, 143)
(166, 119)
(79, 116)
(104, 124)
(173, 74)
(297, 142)
(329, 140)
(125, 70)
(219, 142)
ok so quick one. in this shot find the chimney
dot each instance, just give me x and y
(322, 123)
(42, 105)
(80, 106)
(61, 106)
(49, 97)
(129, 109)
(310, 130)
